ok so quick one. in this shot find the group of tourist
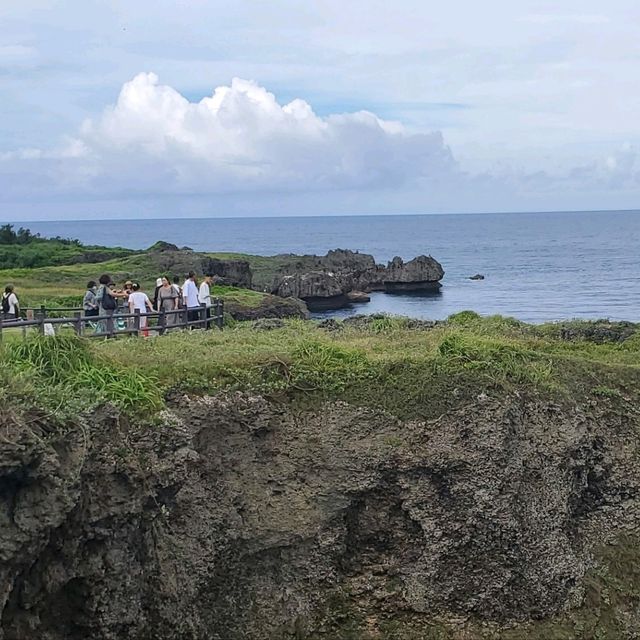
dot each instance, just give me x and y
(103, 299)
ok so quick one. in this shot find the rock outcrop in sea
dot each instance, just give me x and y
(325, 282)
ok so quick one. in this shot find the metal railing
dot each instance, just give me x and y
(108, 325)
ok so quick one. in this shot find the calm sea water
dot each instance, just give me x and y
(537, 266)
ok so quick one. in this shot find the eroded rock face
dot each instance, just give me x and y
(239, 519)
(236, 273)
(270, 307)
(421, 273)
(319, 289)
(325, 282)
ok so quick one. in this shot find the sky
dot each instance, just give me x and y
(158, 108)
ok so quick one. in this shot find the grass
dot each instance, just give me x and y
(384, 364)
(64, 377)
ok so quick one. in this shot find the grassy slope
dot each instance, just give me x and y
(385, 364)
(41, 252)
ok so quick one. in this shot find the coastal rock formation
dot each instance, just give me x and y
(162, 245)
(269, 307)
(320, 290)
(239, 518)
(325, 282)
(236, 273)
(358, 296)
(420, 274)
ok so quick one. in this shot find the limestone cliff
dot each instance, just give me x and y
(235, 517)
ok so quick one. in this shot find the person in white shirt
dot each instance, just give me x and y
(10, 305)
(204, 297)
(139, 301)
(190, 297)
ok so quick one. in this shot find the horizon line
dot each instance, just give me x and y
(325, 215)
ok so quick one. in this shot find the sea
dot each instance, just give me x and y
(537, 267)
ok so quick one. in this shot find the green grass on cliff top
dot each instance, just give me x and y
(384, 364)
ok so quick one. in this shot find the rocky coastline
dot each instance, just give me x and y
(343, 276)
(335, 280)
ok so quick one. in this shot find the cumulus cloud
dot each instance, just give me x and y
(261, 156)
(238, 139)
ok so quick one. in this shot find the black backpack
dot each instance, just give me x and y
(108, 302)
(5, 303)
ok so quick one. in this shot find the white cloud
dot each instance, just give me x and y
(238, 139)
(239, 151)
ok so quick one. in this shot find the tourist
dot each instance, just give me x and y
(127, 290)
(204, 297)
(10, 304)
(139, 301)
(90, 301)
(168, 301)
(122, 323)
(155, 293)
(190, 297)
(177, 288)
(107, 303)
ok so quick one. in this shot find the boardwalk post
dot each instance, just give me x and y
(41, 316)
(220, 314)
(0, 328)
(136, 320)
(77, 325)
(162, 322)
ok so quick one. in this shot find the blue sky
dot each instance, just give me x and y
(125, 109)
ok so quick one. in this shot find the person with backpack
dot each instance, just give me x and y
(107, 303)
(10, 304)
(90, 301)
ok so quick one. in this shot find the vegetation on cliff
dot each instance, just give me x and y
(407, 367)
(23, 249)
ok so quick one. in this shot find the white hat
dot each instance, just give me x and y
(159, 282)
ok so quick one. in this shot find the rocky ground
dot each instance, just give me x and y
(239, 517)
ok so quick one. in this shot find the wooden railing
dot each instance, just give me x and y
(106, 325)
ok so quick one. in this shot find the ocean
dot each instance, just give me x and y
(538, 267)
